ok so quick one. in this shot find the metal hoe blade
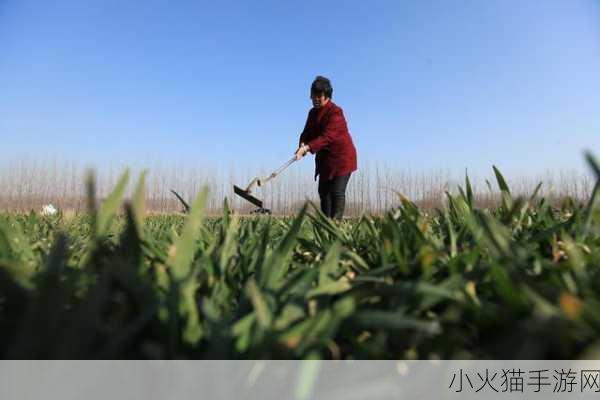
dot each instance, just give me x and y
(243, 194)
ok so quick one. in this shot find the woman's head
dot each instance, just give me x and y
(320, 91)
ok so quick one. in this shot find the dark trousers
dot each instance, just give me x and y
(333, 196)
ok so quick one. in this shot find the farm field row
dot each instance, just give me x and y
(518, 281)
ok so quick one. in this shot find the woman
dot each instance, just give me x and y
(326, 134)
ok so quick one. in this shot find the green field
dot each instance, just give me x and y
(519, 281)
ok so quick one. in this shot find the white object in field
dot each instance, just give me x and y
(49, 209)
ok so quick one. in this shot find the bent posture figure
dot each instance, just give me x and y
(326, 135)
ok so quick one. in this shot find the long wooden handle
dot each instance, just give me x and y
(278, 171)
(284, 166)
(260, 182)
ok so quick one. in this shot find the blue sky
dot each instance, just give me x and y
(423, 84)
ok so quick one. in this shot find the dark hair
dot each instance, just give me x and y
(321, 85)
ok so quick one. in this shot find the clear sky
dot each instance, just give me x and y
(423, 84)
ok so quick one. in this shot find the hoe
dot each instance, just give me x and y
(246, 193)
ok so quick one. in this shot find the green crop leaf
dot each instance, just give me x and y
(230, 243)
(594, 164)
(110, 206)
(16, 253)
(139, 204)
(90, 186)
(535, 192)
(330, 288)
(328, 270)
(261, 308)
(396, 321)
(183, 250)
(470, 196)
(277, 264)
(501, 181)
(192, 332)
(42, 319)
(589, 211)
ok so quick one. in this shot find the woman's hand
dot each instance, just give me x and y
(302, 150)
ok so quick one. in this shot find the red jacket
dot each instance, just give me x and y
(326, 133)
